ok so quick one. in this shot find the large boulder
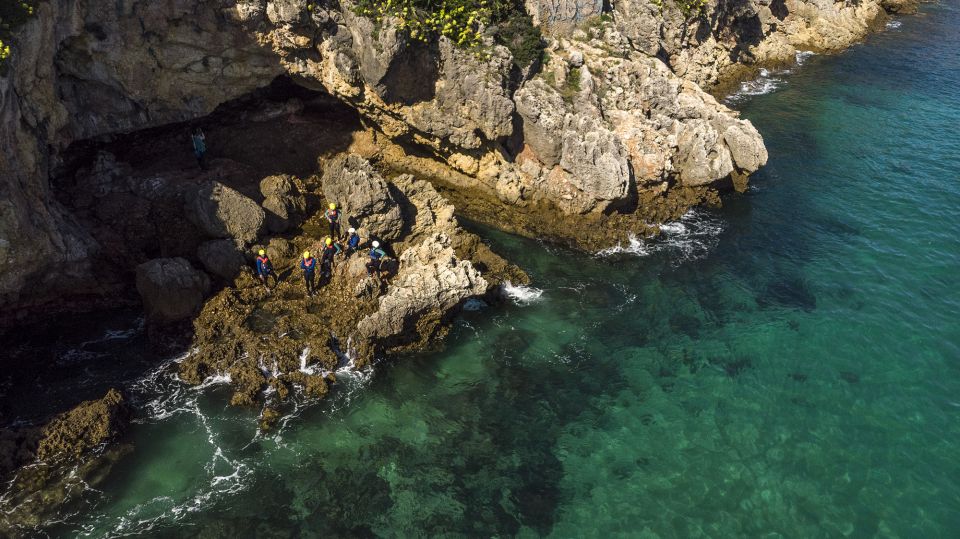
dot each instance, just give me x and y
(430, 284)
(222, 212)
(171, 289)
(363, 197)
(77, 431)
(222, 258)
(284, 201)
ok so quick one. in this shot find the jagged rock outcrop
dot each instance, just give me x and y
(66, 456)
(431, 279)
(363, 197)
(285, 338)
(171, 289)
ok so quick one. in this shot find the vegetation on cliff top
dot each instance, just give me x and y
(12, 15)
(463, 22)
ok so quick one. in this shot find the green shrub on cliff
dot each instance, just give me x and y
(12, 15)
(462, 21)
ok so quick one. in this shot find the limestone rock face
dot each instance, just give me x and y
(222, 212)
(222, 258)
(171, 289)
(363, 197)
(563, 11)
(284, 201)
(431, 278)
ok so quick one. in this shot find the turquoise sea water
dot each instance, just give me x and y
(786, 366)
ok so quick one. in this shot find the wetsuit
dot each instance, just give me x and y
(326, 261)
(353, 243)
(265, 269)
(199, 148)
(333, 216)
(376, 259)
(308, 265)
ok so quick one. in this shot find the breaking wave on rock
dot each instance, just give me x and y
(690, 238)
(522, 295)
(769, 80)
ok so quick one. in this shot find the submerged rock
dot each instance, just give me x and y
(171, 289)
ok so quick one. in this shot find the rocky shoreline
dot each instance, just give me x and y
(613, 130)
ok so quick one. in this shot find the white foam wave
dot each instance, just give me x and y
(522, 294)
(802, 56)
(765, 83)
(690, 238)
(893, 25)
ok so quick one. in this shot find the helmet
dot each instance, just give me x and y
(306, 254)
(329, 241)
(262, 252)
(333, 206)
(376, 244)
(352, 230)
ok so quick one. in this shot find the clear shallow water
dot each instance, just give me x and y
(789, 365)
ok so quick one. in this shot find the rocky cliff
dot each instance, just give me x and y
(613, 120)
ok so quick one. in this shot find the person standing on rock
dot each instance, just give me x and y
(376, 259)
(200, 147)
(333, 217)
(353, 241)
(265, 269)
(330, 250)
(309, 266)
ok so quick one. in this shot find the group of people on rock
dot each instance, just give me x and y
(331, 247)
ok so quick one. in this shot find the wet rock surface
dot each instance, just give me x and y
(65, 456)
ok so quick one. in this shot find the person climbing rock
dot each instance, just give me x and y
(353, 241)
(265, 269)
(376, 259)
(200, 147)
(330, 250)
(333, 217)
(309, 266)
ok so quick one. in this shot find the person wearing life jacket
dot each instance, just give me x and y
(309, 265)
(265, 269)
(353, 241)
(333, 217)
(376, 255)
(330, 250)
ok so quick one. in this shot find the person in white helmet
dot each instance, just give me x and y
(376, 259)
(353, 241)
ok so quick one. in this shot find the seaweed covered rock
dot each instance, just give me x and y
(363, 197)
(171, 289)
(67, 456)
(222, 212)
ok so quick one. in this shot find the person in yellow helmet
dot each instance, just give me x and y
(333, 217)
(330, 250)
(265, 269)
(309, 265)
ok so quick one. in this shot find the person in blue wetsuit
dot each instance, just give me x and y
(265, 269)
(309, 266)
(200, 147)
(353, 241)
(377, 255)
